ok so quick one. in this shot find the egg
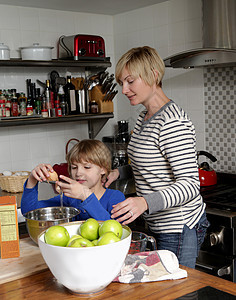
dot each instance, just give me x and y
(7, 173)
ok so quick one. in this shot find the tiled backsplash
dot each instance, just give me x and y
(220, 116)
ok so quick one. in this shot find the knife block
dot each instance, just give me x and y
(97, 95)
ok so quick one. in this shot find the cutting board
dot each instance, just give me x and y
(29, 262)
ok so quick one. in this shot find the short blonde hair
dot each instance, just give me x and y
(142, 62)
(93, 151)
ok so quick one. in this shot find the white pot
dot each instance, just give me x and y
(4, 52)
(36, 52)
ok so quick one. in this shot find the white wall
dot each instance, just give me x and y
(170, 27)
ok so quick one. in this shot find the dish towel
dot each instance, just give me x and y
(150, 266)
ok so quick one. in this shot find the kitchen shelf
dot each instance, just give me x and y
(87, 64)
(95, 121)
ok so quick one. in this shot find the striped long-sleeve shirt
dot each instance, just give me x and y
(162, 151)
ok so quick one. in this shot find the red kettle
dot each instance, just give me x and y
(207, 175)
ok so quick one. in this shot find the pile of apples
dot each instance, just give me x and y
(90, 234)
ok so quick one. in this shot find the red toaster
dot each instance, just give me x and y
(81, 46)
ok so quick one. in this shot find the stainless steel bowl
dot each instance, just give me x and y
(40, 219)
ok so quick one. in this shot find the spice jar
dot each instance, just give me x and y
(44, 113)
(2, 108)
(93, 107)
(29, 110)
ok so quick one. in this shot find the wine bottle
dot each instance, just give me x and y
(71, 97)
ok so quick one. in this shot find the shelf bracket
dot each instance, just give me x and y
(95, 126)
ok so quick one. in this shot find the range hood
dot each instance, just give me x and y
(219, 38)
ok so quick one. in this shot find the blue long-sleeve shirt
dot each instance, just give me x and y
(89, 208)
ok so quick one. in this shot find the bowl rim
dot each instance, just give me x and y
(79, 223)
(51, 220)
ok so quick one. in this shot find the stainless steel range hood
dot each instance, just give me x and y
(219, 38)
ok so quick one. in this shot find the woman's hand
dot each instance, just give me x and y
(73, 189)
(128, 210)
(39, 173)
(113, 175)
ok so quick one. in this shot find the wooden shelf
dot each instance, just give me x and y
(87, 64)
(95, 121)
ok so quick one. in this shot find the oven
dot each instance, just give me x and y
(217, 255)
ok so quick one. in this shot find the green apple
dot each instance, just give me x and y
(57, 235)
(95, 242)
(108, 238)
(76, 236)
(89, 229)
(111, 225)
(81, 243)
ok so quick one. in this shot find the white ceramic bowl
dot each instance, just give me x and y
(4, 52)
(85, 270)
(36, 52)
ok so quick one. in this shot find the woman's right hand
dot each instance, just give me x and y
(39, 173)
(113, 175)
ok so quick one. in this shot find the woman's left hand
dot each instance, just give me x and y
(128, 210)
(73, 189)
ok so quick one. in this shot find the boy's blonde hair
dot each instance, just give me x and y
(93, 151)
(142, 62)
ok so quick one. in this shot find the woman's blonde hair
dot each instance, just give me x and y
(93, 151)
(143, 62)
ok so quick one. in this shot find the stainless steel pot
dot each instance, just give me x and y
(36, 52)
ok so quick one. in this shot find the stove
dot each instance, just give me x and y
(218, 252)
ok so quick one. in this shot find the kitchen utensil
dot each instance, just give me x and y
(85, 270)
(139, 242)
(40, 219)
(81, 46)
(36, 52)
(207, 175)
(4, 52)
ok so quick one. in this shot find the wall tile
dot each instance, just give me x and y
(29, 18)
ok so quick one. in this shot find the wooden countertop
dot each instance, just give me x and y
(44, 286)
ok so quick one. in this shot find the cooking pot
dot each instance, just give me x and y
(36, 52)
(207, 175)
(4, 52)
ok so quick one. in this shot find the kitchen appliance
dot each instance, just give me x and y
(36, 52)
(81, 46)
(218, 252)
(207, 175)
(219, 39)
(118, 144)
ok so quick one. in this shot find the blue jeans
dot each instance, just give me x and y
(185, 245)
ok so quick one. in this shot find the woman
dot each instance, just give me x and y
(163, 158)
(89, 162)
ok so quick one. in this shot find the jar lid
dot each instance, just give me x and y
(3, 47)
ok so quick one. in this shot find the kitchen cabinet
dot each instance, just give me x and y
(95, 121)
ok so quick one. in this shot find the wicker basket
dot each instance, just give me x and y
(13, 184)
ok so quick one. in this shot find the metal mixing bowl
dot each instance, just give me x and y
(40, 219)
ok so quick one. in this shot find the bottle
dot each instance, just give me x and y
(62, 103)
(48, 97)
(70, 97)
(33, 95)
(14, 104)
(38, 102)
(22, 104)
